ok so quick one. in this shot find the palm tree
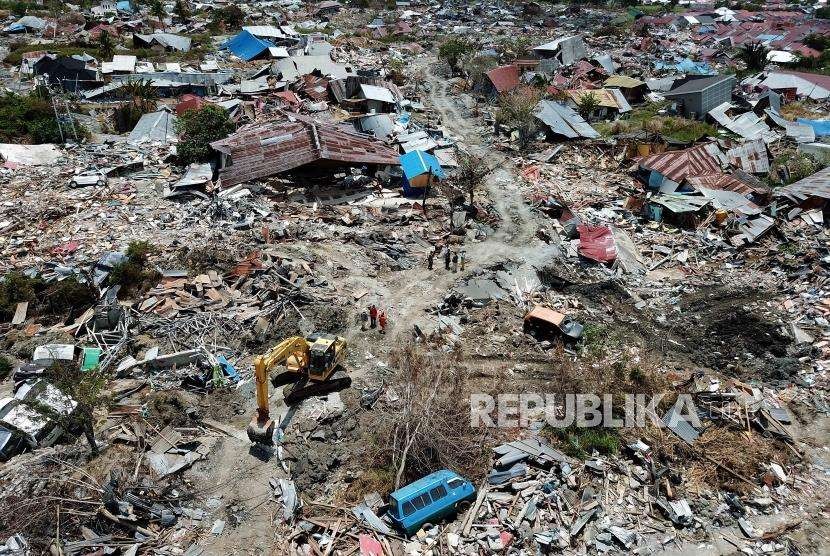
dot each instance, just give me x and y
(106, 45)
(754, 55)
(182, 10)
(157, 10)
(141, 93)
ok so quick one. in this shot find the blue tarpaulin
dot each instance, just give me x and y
(417, 166)
(821, 127)
(247, 46)
(687, 65)
(417, 163)
(124, 6)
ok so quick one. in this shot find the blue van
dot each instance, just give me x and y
(429, 499)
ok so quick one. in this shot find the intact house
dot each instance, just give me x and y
(696, 96)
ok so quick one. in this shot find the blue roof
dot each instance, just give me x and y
(417, 163)
(687, 65)
(423, 483)
(247, 46)
(821, 127)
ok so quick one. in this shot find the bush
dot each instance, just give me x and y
(66, 298)
(5, 367)
(133, 275)
(199, 128)
(29, 119)
(15, 288)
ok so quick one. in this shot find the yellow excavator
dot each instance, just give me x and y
(313, 360)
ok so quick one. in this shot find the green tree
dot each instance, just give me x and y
(588, 102)
(452, 50)
(754, 55)
(157, 10)
(198, 128)
(182, 10)
(139, 98)
(106, 45)
(229, 17)
(823, 13)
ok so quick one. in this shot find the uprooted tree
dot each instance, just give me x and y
(428, 426)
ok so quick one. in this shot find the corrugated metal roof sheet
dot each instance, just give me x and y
(679, 165)
(739, 182)
(751, 156)
(699, 85)
(262, 150)
(563, 120)
(817, 185)
(504, 78)
(679, 202)
(417, 163)
(731, 201)
(156, 126)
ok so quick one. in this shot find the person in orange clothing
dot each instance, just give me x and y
(382, 322)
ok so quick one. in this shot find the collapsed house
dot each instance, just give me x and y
(261, 150)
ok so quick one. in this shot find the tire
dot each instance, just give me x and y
(462, 506)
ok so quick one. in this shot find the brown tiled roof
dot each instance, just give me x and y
(261, 150)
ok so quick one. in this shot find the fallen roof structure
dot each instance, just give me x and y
(154, 127)
(564, 120)
(811, 188)
(816, 87)
(247, 47)
(504, 78)
(261, 150)
(166, 40)
(699, 160)
(297, 66)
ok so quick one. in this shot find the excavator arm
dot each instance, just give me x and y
(295, 352)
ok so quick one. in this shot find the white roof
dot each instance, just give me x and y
(278, 52)
(781, 57)
(372, 92)
(265, 31)
(119, 62)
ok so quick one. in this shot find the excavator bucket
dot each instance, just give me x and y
(261, 432)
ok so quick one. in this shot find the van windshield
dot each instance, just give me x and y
(393, 506)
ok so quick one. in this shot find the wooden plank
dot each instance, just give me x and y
(20, 313)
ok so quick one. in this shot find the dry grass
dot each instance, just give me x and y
(795, 110)
(428, 427)
(743, 452)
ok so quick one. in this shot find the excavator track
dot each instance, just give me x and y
(301, 392)
(284, 378)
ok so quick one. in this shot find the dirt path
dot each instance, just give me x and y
(417, 289)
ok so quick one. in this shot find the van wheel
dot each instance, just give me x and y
(462, 506)
(427, 526)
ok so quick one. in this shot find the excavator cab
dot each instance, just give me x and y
(322, 357)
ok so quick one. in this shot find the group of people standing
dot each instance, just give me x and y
(450, 256)
(374, 318)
